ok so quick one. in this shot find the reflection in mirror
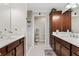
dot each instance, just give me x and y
(75, 19)
(18, 18)
(12, 19)
(4, 20)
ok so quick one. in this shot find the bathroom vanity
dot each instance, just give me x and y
(64, 44)
(12, 47)
(12, 29)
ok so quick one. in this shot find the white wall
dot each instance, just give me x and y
(47, 31)
(29, 30)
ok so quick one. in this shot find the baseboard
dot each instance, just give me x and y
(29, 50)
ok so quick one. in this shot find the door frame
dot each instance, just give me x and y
(44, 25)
(46, 28)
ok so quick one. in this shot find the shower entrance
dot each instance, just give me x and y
(39, 29)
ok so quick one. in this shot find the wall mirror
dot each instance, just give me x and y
(75, 18)
(4, 20)
(12, 19)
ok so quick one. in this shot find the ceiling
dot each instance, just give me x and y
(45, 6)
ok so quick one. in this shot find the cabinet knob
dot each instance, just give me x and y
(0, 53)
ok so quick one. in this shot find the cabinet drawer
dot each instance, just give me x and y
(13, 45)
(75, 50)
(3, 51)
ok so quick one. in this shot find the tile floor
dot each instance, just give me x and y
(39, 50)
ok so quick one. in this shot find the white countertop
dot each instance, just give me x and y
(66, 36)
(4, 42)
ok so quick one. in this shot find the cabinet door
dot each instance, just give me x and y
(56, 21)
(3, 51)
(58, 48)
(11, 53)
(65, 51)
(66, 21)
(20, 50)
(75, 50)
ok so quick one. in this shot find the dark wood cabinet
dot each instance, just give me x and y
(63, 48)
(74, 54)
(20, 50)
(3, 51)
(59, 21)
(75, 50)
(58, 48)
(65, 51)
(66, 21)
(13, 45)
(15, 48)
(11, 53)
(55, 21)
